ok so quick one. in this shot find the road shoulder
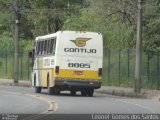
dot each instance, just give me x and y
(129, 92)
(117, 91)
(10, 82)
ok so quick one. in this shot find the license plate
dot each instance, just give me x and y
(78, 72)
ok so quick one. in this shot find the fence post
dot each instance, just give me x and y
(158, 69)
(28, 67)
(109, 66)
(12, 53)
(148, 67)
(128, 54)
(21, 66)
(119, 76)
(6, 64)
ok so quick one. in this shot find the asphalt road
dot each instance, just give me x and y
(24, 100)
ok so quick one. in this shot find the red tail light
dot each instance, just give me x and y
(100, 72)
(57, 70)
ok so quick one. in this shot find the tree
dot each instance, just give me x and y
(115, 21)
(151, 25)
(47, 16)
(6, 21)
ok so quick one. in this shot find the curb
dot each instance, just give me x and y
(129, 92)
(10, 82)
(116, 91)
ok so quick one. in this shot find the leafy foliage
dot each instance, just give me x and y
(115, 19)
(116, 24)
(152, 26)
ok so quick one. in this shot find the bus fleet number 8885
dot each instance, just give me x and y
(79, 65)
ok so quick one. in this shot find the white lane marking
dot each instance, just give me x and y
(135, 104)
(53, 106)
(118, 98)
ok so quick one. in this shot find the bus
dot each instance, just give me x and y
(67, 61)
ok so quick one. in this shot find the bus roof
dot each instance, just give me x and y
(56, 34)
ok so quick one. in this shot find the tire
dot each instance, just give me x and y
(56, 91)
(73, 92)
(50, 90)
(34, 80)
(38, 89)
(90, 92)
(83, 93)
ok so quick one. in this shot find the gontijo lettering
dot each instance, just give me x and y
(80, 50)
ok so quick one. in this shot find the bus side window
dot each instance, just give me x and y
(45, 47)
(40, 47)
(49, 44)
(51, 47)
(37, 48)
(54, 46)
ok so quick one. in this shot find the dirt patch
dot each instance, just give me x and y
(153, 94)
(10, 82)
(129, 92)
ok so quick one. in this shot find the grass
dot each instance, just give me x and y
(7, 67)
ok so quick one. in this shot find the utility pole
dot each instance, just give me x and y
(137, 87)
(16, 43)
(68, 14)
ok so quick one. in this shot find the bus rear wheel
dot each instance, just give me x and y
(90, 92)
(38, 89)
(83, 93)
(73, 92)
(50, 90)
(56, 91)
(87, 92)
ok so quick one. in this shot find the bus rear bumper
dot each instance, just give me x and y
(77, 84)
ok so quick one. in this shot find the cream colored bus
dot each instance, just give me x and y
(68, 61)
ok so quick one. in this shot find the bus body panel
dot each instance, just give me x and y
(78, 58)
(43, 71)
(79, 61)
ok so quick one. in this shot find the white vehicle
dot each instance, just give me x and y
(68, 60)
